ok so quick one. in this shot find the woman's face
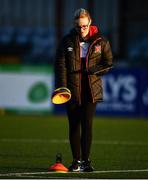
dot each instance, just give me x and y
(82, 26)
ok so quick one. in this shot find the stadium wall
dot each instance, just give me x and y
(27, 89)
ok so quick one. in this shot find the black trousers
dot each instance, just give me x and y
(80, 119)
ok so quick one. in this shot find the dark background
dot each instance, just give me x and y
(31, 29)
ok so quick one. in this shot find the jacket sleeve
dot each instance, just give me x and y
(107, 54)
(60, 67)
(107, 57)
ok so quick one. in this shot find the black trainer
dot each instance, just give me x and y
(86, 166)
(75, 166)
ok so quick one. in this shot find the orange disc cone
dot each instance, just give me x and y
(58, 167)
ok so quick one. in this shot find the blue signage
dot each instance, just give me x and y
(144, 93)
(123, 93)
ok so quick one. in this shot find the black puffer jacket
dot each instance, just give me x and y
(68, 65)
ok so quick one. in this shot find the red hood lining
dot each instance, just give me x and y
(93, 30)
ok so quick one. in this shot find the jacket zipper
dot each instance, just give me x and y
(80, 73)
(87, 66)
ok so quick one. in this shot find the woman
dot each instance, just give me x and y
(82, 57)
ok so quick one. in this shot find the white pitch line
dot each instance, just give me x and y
(98, 172)
(122, 171)
(65, 141)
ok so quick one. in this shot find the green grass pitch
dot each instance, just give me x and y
(28, 145)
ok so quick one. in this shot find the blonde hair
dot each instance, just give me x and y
(81, 13)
